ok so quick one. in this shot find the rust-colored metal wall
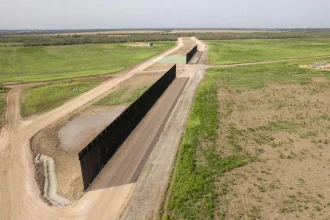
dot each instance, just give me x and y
(99, 151)
(191, 54)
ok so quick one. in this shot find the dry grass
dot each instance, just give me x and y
(287, 127)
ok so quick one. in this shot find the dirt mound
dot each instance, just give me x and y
(64, 140)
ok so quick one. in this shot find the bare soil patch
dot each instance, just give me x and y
(325, 67)
(138, 44)
(287, 129)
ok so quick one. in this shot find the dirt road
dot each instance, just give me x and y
(126, 165)
(19, 193)
(265, 62)
(149, 191)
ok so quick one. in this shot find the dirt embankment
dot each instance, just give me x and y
(288, 128)
(64, 150)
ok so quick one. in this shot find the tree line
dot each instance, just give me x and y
(49, 40)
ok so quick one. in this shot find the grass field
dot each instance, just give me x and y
(46, 97)
(246, 127)
(3, 93)
(123, 96)
(243, 51)
(32, 64)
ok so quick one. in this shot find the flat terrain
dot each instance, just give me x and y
(32, 64)
(243, 51)
(256, 146)
(43, 98)
(20, 195)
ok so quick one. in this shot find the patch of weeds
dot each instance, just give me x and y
(232, 138)
(325, 117)
(254, 212)
(223, 188)
(282, 156)
(295, 203)
(122, 96)
(228, 108)
(261, 138)
(301, 182)
(274, 185)
(281, 126)
(220, 164)
(279, 104)
(318, 208)
(292, 155)
(265, 172)
(260, 150)
(262, 188)
(309, 134)
(113, 98)
(274, 145)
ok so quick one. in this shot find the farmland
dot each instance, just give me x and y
(243, 51)
(45, 63)
(255, 147)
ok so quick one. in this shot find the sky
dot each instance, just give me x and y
(117, 14)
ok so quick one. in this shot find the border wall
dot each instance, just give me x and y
(191, 54)
(98, 152)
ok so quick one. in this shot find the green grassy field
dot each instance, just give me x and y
(3, 93)
(192, 193)
(46, 97)
(33, 64)
(243, 51)
(122, 96)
